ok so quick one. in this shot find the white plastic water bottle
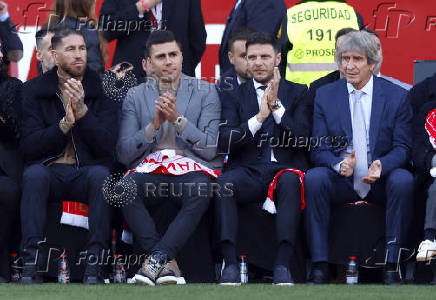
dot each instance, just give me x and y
(15, 267)
(243, 269)
(63, 270)
(352, 273)
(119, 273)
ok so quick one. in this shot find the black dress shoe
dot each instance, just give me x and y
(30, 275)
(92, 274)
(391, 278)
(318, 276)
(282, 276)
(230, 275)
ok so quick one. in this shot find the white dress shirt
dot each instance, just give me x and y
(366, 102)
(255, 125)
(157, 12)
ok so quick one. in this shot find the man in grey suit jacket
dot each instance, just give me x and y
(171, 116)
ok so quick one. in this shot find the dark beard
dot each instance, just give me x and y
(265, 80)
(244, 76)
(71, 72)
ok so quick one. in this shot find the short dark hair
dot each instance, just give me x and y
(240, 34)
(371, 31)
(262, 38)
(62, 32)
(159, 37)
(343, 31)
(40, 34)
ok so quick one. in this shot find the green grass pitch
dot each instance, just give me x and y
(213, 291)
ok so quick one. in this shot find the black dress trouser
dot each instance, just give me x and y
(63, 182)
(190, 192)
(250, 184)
(9, 203)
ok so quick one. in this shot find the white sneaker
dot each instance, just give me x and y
(426, 250)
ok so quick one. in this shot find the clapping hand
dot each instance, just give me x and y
(167, 105)
(348, 164)
(374, 172)
(75, 93)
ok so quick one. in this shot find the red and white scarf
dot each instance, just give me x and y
(75, 214)
(168, 163)
(269, 205)
(161, 162)
(430, 127)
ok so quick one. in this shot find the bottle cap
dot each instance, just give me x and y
(64, 255)
(353, 258)
(14, 254)
(242, 256)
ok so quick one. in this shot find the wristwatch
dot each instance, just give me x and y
(276, 104)
(178, 121)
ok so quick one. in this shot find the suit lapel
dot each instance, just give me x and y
(250, 100)
(343, 107)
(184, 93)
(282, 94)
(377, 108)
(151, 94)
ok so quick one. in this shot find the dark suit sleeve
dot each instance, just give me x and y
(322, 154)
(360, 21)
(111, 12)
(197, 32)
(98, 128)
(417, 96)
(401, 139)
(37, 139)
(233, 133)
(422, 152)
(296, 119)
(285, 46)
(262, 15)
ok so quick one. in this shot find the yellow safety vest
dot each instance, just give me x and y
(311, 29)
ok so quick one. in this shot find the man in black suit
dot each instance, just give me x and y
(259, 15)
(11, 165)
(238, 73)
(183, 17)
(261, 124)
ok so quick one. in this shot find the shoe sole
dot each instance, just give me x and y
(92, 280)
(139, 279)
(284, 284)
(230, 283)
(181, 280)
(166, 280)
(27, 281)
